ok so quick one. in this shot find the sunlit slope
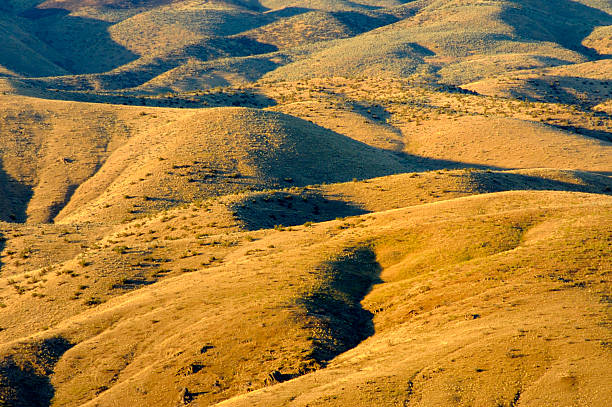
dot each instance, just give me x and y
(28, 248)
(49, 151)
(599, 40)
(51, 147)
(524, 323)
(218, 151)
(455, 285)
(306, 203)
(103, 261)
(507, 143)
(460, 41)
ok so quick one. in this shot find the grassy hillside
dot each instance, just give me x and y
(305, 203)
(49, 148)
(492, 245)
(445, 40)
(216, 152)
(132, 153)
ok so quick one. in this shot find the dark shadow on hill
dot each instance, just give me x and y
(375, 113)
(85, 44)
(14, 198)
(3, 240)
(415, 163)
(487, 182)
(584, 92)
(564, 22)
(287, 12)
(197, 99)
(108, 4)
(333, 310)
(266, 210)
(362, 22)
(24, 374)
(146, 69)
(56, 207)
(237, 46)
(596, 134)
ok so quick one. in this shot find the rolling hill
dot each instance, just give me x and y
(305, 203)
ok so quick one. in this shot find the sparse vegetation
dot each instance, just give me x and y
(120, 249)
(448, 162)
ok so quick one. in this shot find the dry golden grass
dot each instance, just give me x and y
(507, 143)
(51, 147)
(493, 322)
(219, 151)
(307, 203)
(220, 329)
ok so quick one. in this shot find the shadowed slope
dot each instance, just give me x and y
(25, 54)
(24, 380)
(14, 198)
(84, 43)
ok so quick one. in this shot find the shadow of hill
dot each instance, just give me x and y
(334, 308)
(210, 49)
(3, 240)
(56, 207)
(486, 182)
(597, 134)
(287, 12)
(564, 22)
(110, 4)
(24, 374)
(565, 89)
(14, 198)
(415, 163)
(84, 43)
(216, 98)
(362, 22)
(266, 210)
